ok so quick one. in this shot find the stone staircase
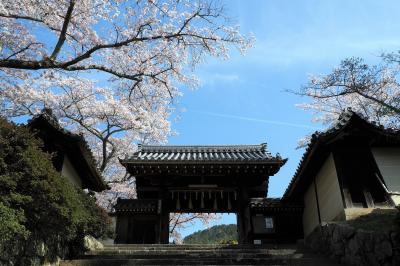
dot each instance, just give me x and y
(118, 255)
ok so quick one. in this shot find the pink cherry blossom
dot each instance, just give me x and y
(110, 70)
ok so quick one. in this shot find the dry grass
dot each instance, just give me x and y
(378, 220)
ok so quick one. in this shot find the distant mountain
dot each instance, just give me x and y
(224, 233)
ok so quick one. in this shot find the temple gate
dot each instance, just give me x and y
(191, 179)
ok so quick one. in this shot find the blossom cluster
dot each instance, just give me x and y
(109, 70)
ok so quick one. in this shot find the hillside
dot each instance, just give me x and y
(217, 234)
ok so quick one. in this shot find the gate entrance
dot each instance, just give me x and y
(215, 179)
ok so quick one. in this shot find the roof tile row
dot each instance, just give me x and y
(231, 153)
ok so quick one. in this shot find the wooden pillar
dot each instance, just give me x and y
(121, 229)
(243, 217)
(239, 222)
(163, 214)
(164, 225)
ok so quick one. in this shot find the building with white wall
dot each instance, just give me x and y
(72, 156)
(347, 171)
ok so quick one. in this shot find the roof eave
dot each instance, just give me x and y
(96, 181)
(278, 162)
(331, 135)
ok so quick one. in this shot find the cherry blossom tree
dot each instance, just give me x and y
(373, 91)
(110, 70)
(370, 90)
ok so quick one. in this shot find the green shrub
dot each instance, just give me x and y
(228, 242)
(39, 207)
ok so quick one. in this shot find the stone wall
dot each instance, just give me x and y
(31, 253)
(36, 253)
(353, 246)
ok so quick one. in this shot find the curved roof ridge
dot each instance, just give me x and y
(193, 148)
(48, 116)
(345, 117)
(203, 153)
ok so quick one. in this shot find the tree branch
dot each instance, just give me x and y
(21, 17)
(22, 50)
(64, 29)
(35, 20)
(390, 107)
(104, 69)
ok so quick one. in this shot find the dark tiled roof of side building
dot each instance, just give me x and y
(263, 204)
(346, 120)
(47, 121)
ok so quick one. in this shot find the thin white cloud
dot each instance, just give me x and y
(257, 120)
(225, 77)
(284, 51)
(218, 79)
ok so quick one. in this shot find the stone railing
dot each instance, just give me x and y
(355, 246)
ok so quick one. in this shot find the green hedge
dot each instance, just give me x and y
(42, 215)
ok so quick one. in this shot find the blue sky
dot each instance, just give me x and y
(244, 100)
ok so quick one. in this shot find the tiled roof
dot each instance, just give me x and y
(136, 205)
(47, 116)
(262, 202)
(219, 153)
(272, 203)
(318, 138)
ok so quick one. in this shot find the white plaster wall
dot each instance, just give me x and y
(396, 199)
(70, 172)
(310, 213)
(388, 161)
(329, 197)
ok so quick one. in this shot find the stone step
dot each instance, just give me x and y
(184, 256)
(118, 255)
(161, 251)
(175, 245)
(194, 247)
(167, 246)
(198, 261)
(182, 249)
(200, 245)
(217, 254)
(208, 255)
